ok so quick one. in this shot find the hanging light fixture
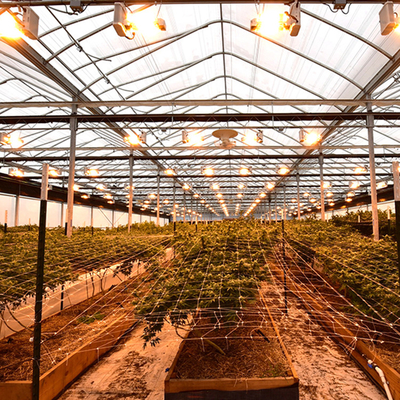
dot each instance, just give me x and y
(270, 185)
(92, 172)
(12, 27)
(54, 173)
(326, 185)
(360, 170)
(283, 170)
(215, 186)
(169, 172)
(208, 171)
(354, 185)
(186, 186)
(18, 173)
(244, 171)
(309, 138)
(381, 185)
(101, 186)
(11, 139)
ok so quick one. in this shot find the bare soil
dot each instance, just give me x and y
(250, 352)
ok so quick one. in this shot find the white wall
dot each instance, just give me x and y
(29, 214)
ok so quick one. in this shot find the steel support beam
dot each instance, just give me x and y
(22, 158)
(166, 118)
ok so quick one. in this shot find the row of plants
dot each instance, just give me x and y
(219, 270)
(66, 258)
(365, 270)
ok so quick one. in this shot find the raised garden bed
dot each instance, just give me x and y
(244, 358)
(72, 341)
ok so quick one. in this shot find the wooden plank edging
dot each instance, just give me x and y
(174, 385)
(54, 381)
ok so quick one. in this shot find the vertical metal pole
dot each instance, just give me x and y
(396, 189)
(17, 201)
(184, 207)
(174, 207)
(158, 198)
(130, 203)
(284, 264)
(298, 195)
(284, 202)
(321, 185)
(276, 210)
(112, 218)
(269, 208)
(388, 218)
(62, 215)
(91, 217)
(5, 221)
(71, 177)
(374, 197)
(37, 328)
(197, 212)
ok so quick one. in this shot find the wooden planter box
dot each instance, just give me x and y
(276, 388)
(54, 381)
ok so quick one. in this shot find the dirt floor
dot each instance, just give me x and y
(325, 371)
(131, 372)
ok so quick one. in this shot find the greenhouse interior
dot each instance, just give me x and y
(199, 200)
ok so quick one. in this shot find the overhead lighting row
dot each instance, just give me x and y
(270, 22)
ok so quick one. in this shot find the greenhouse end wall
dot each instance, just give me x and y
(29, 214)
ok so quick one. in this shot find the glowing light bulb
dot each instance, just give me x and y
(311, 138)
(18, 173)
(132, 139)
(208, 171)
(54, 173)
(244, 171)
(101, 186)
(326, 185)
(219, 195)
(170, 172)
(9, 26)
(186, 187)
(283, 170)
(152, 196)
(354, 185)
(92, 172)
(215, 186)
(270, 185)
(262, 195)
(360, 170)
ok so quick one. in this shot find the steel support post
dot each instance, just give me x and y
(276, 210)
(396, 190)
(130, 203)
(269, 208)
(71, 171)
(174, 206)
(17, 204)
(298, 195)
(374, 199)
(37, 327)
(321, 183)
(158, 198)
(284, 203)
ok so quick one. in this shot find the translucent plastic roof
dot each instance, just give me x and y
(208, 52)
